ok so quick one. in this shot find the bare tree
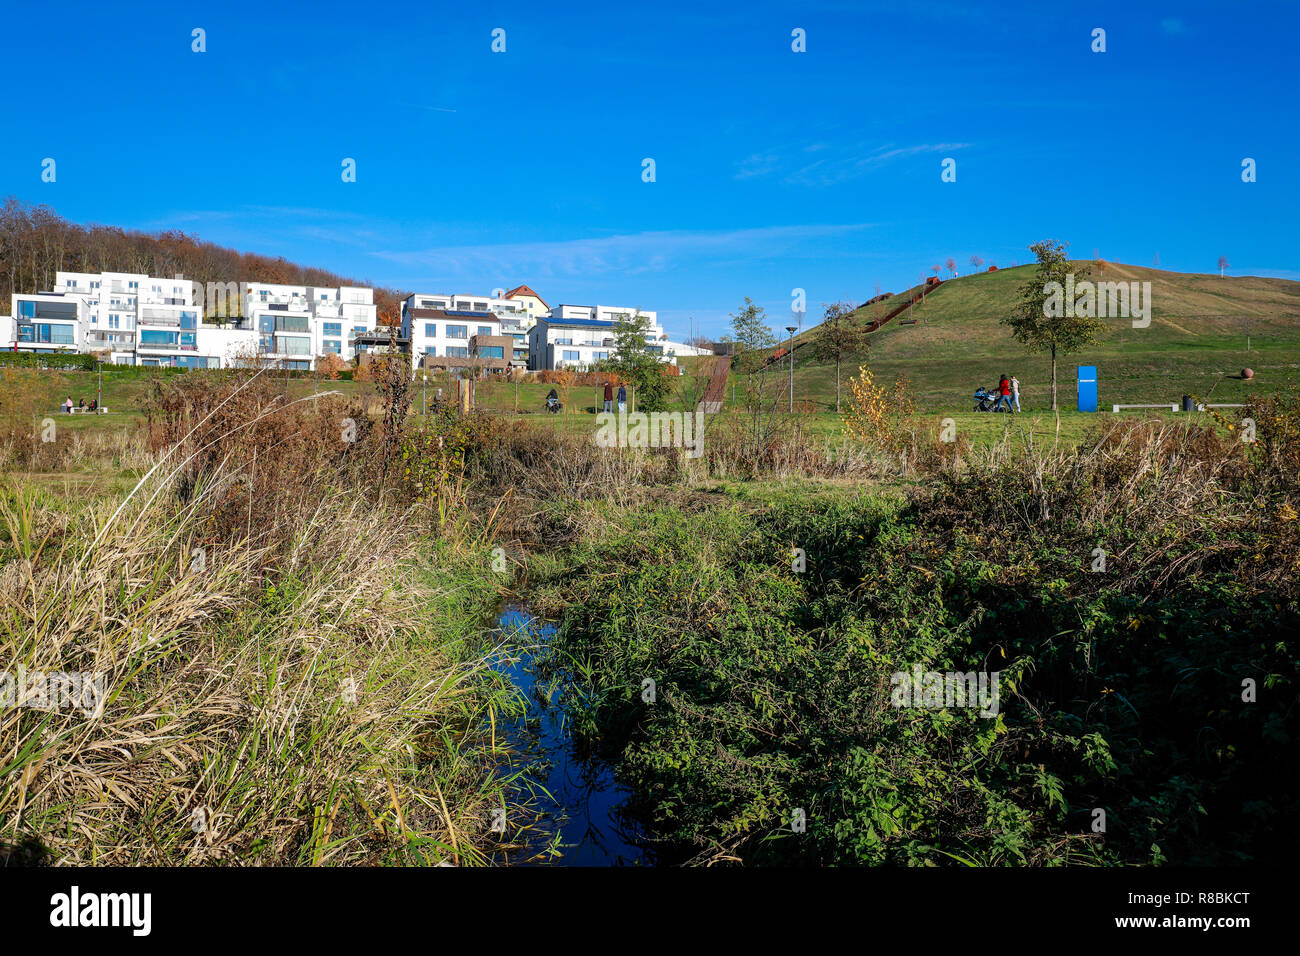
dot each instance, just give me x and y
(951, 263)
(1223, 264)
(976, 262)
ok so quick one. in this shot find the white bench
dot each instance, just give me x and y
(78, 410)
(1172, 406)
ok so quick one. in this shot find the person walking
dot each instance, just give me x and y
(622, 399)
(1015, 392)
(609, 397)
(1004, 393)
(67, 406)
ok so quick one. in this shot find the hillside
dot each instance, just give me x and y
(1197, 340)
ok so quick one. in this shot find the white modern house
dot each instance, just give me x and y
(444, 332)
(579, 336)
(513, 317)
(296, 324)
(145, 320)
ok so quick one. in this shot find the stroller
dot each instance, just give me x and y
(553, 404)
(986, 400)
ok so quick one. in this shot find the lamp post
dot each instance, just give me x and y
(792, 329)
(424, 393)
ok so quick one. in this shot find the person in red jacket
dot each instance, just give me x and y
(609, 397)
(1004, 393)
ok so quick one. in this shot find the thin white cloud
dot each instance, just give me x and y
(630, 254)
(833, 165)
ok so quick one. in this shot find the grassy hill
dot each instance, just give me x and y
(1196, 343)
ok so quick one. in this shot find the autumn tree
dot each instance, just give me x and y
(839, 337)
(976, 262)
(1044, 322)
(1223, 264)
(951, 264)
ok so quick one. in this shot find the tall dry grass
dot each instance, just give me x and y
(292, 674)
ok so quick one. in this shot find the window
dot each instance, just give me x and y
(565, 341)
(457, 351)
(458, 331)
(430, 330)
(189, 320)
(485, 330)
(292, 345)
(332, 329)
(599, 356)
(291, 323)
(358, 329)
(52, 334)
(480, 306)
(430, 350)
(333, 345)
(157, 337)
(492, 351)
(571, 355)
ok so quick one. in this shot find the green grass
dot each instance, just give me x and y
(1196, 343)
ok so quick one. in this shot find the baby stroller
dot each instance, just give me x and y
(553, 404)
(986, 399)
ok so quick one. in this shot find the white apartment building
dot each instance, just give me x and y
(295, 324)
(441, 331)
(145, 320)
(429, 333)
(579, 336)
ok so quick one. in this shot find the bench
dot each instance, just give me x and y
(1172, 406)
(77, 410)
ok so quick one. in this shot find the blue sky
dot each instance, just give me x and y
(774, 169)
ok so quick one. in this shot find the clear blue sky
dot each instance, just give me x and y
(775, 169)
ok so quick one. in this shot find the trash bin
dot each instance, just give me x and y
(1187, 403)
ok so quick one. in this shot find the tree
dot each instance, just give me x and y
(328, 366)
(1223, 264)
(951, 264)
(838, 337)
(1044, 322)
(753, 342)
(634, 362)
(976, 262)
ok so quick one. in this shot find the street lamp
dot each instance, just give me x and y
(424, 392)
(792, 329)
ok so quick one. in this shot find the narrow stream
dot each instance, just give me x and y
(583, 815)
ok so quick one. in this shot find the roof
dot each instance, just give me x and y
(524, 290)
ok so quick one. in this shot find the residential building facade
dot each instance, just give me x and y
(135, 319)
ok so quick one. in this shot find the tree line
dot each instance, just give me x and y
(36, 243)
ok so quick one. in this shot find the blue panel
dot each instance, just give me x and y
(1087, 388)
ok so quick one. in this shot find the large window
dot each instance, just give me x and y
(292, 345)
(485, 330)
(46, 333)
(333, 330)
(158, 338)
(458, 331)
(430, 330)
(571, 355)
(292, 323)
(457, 351)
(492, 351)
(334, 345)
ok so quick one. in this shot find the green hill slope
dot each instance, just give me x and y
(1196, 342)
